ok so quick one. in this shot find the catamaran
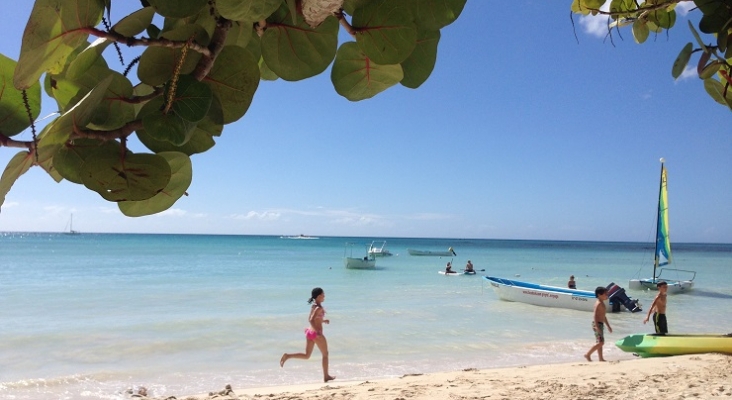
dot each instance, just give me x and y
(662, 256)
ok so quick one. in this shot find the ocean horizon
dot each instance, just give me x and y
(91, 315)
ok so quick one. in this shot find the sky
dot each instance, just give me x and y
(530, 127)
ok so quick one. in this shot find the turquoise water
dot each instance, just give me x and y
(88, 316)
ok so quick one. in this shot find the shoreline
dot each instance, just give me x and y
(696, 375)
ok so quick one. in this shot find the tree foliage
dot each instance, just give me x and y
(199, 65)
(712, 38)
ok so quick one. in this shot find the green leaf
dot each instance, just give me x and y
(45, 161)
(355, 77)
(697, 37)
(622, 6)
(90, 57)
(240, 34)
(192, 98)
(247, 11)
(579, 8)
(298, 52)
(54, 30)
(265, 72)
(178, 8)
(158, 63)
(77, 116)
(385, 31)
(234, 80)
(716, 89)
(662, 18)
(18, 165)
(418, 67)
(709, 70)
(180, 179)
(436, 14)
(722, 38)
(133, 177)
(13, 115)
(168, 127)
(640, 31)
(135, 23)
(69, 158)
(682, 60)
(201, 138)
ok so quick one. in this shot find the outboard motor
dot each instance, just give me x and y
(617, 297)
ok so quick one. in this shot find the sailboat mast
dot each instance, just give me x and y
(658, 223)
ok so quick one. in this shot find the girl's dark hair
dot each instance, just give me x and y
(316, 292)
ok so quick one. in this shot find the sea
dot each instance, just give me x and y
(91, 316)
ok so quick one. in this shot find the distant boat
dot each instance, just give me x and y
(559, 297)
(70, 226)
(300, 236)
(376, 250)
(351, 262)
(449, 253)
(662, 254)
(652, 345)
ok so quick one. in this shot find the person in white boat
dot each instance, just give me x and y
(572, 284)
(469, 267)
(448, 268)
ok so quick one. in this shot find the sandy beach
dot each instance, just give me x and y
(703, 376)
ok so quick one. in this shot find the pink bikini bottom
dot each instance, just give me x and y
(311, 334)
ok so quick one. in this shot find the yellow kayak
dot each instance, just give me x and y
(652, 345)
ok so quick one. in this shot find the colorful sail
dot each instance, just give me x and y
(663, 243)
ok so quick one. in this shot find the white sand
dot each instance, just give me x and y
(704, 376)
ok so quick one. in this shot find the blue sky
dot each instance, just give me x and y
(521, 132)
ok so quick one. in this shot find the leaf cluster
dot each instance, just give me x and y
(655, 16)
(199, 66)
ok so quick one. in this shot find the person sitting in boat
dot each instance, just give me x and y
(448, 268)
(469, 267)
(572, 284)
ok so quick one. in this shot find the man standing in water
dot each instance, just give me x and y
(658, 308)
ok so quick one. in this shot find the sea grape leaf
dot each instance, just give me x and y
(69, 157)
(298, 52)
(135, 23)
(710, 69)
(177, 8)
(157, 64)
(51, 35)
(640, 31)
(169, 127)
(233, 80)
(419, 65)
(18, 165)
(682, 60)
(191, 99)
(356, 77)
(436, 14)
(181, 176)
(247, 11)
(662, 18)
(44, 155)
(265, 72)
(78, 116)
(239, 35)
(201, 138)
(716, 90)
(132, 177)
(385, 31)
(13, 115)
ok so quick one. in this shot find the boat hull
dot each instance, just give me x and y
(673, 345)
(674, 287)
(413, 252)
(542, 295)
(359, 263)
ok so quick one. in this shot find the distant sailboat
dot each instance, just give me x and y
(71, 230)
(662, 254)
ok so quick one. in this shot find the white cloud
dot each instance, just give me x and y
(10, 204)
(683, 8)
(689, 72)
(171, 212)
(595, 25)
(262, 216)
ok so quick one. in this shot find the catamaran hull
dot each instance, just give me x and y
(674, 287)
(673, 345)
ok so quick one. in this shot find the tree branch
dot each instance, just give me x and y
(119, 133)
(214, 48)
(131, 41)
(18, 144)
(345, 24)
(646, 9)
